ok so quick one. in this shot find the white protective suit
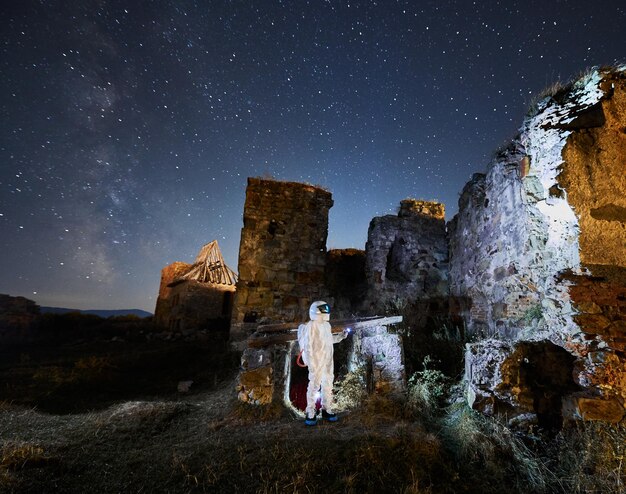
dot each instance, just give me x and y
(316, 342)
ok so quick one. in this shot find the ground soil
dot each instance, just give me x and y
(106, 416)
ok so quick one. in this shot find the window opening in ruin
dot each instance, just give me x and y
(395, 257)
(273, 226)
(251, 316)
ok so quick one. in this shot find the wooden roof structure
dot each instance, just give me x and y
(209, 268)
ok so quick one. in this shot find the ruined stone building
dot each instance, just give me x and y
(538, 261)
(282, 254)
(198, 295)
(407, 260)
(533, 266)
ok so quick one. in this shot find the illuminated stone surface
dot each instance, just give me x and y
(538, 251)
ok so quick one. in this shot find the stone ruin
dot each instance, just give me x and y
(284, 266)
(538, 262)
(371, 357)
(282, 254)
(198, 295)
(407, 254)
(407, 262)
(533, 266)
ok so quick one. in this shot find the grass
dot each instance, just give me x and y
(560, 90)
(146, 437)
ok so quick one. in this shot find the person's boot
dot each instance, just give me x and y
(310, 420)
(331, 417)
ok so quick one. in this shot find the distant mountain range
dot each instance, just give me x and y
(97, 312)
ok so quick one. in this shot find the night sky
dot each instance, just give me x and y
(128, 129)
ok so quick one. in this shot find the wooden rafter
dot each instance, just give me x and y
(210, 267)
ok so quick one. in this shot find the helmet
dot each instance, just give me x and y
(319, 308)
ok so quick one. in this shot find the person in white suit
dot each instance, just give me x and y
(316, 344)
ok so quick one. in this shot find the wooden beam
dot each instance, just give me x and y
(272, 334)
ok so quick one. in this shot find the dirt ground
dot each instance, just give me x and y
(106, 417)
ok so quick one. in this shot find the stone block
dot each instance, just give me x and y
(592, 323)
(606, 410)
(256, 386)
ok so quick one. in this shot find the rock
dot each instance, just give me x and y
(606, 410)
(184, 386)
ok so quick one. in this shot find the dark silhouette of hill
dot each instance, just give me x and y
(98, 312)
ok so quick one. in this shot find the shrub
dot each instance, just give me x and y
(427, 389)
(350, 392)
(590, 457)
(487, 449)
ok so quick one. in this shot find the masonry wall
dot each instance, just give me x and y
(407, 256)
(537, 239)
(197, 305)
(165, 300)
(282, 253)
(189, 305)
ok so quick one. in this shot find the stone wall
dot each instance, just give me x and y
(407, 257)
(165, 300)
(369, 359)
(537, 239)
(282, 253)
(196, 305)
(17, 315)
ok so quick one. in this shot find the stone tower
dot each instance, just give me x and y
(282, 253)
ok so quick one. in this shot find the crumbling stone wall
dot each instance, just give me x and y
(407, 259)
(282, 253)
(539, 238)
(196, 305)
(165, 300)
(371, 353)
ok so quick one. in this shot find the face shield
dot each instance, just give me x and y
(319, 311)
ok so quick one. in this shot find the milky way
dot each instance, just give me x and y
(129, 128)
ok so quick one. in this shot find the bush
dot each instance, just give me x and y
(487, 449)
(427, 389)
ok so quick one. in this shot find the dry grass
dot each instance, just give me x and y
(206, 441)
(490, 450)
(590, 457)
